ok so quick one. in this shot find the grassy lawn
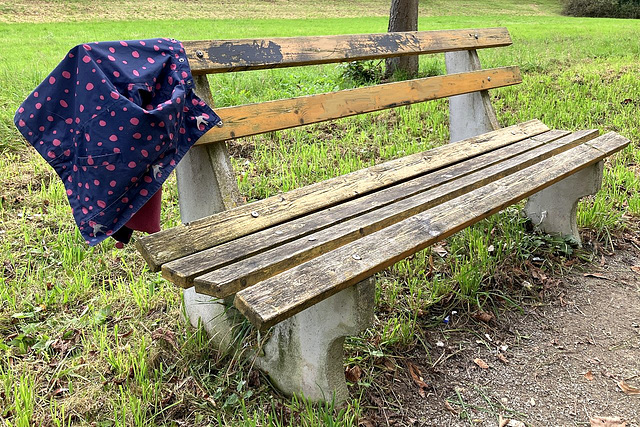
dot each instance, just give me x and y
(90, 335)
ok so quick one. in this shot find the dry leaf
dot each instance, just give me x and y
(636, 268)
(628, 389)
(483, 316)
(417, 377)
(607, 422)
(589, 376)
(440, 250)
(596, 275)
(449, 408)
(481, 363)
(503, 358)
(353, 374)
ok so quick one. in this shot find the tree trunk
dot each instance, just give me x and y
(403, 17)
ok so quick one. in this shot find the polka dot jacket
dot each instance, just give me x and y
(113, 119)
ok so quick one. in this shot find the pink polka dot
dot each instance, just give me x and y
(81, 108)
(87, 137)
(151, 60)
(124, 43)
(112, 50)
(86, 59)
(35, 94)
(69, 192)
(147, 179)
(143, 192)
(144, 153)
(96, 182)
(85, 210)
(101, 204)
(102, 123)
(110, 168)
(136, 73)
(86, 46)
(69, 121)
(50, 118)
(111, 58)
(132, 165)
(21, 123)
(64, 103)
(90, 161)
(52, 80)
(116, 150)
(115, 95)
(137, 135)
(135, 54)
(134, 121)
(56, 142)
(89, 86)
(116, 74)
(184, 75)
(66, 74)
(112, 183)
(113, 138)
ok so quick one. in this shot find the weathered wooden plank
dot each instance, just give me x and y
(183, 240)
(219, 56)
(253, 119)
(288, 293)
(183, 270)
(247, 272)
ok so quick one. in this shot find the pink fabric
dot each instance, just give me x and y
(147, 218)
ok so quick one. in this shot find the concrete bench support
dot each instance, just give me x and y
(304, 355)
(470, 114)
(553, 210)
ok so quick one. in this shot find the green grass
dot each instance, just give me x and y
(90, 335)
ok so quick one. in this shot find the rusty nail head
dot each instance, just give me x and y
(200, 53)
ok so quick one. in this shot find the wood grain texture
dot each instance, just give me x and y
(183, 240)
(220, 56)
(247, 272)
(290, 292)
(253, 119)
(183, 270)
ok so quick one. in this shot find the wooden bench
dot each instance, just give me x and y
(301, 260)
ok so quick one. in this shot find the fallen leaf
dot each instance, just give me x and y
(503, 358)
(483, 316)
(449, 408)
(596, 275)
(628, 389)
(607, 422)
(589, 376)
(440, 251)
(353, 374)
(417, 377)
(636, 268)
(481, 363)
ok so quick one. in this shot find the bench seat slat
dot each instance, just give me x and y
(182, 271)
(183, 240)
(253, 119)
(237, 276)
(219, 56)
(288, 293)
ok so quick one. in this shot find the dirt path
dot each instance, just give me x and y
(562, 362)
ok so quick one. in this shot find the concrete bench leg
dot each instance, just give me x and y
(553, 210)
(304, 355)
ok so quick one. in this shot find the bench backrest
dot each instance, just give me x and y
(223, 56)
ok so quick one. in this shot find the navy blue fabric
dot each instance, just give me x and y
(113, 119)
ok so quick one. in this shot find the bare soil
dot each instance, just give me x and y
(560, 362)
